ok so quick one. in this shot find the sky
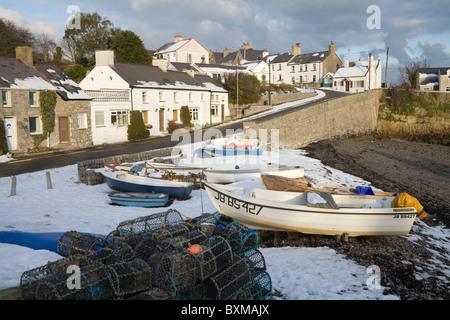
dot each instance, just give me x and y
(413, 30)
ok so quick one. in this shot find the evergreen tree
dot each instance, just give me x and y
(136, 129)
(128, 47)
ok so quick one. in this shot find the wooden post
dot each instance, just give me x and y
(13, 186)
(49, 180)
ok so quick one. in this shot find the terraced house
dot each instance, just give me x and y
(118, 88)
(21, 83)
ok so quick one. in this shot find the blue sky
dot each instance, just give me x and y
(413, 30)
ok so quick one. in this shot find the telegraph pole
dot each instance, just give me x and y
(387, 59)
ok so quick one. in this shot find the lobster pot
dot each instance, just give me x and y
(175, 273)
(147, 224)
(131, 277)
(215, 254)
(31, 279)
(255, 261)
(95, 283)
(229, 281)
(146, 248)
(183, 242)
(73, 242)
(261, 286)
(152, 294)
(115, 252)
(171, 231)
(239, 236)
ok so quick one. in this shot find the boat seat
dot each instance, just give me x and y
(328, 204)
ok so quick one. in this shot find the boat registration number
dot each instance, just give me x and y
(404, 216)
(238, 204)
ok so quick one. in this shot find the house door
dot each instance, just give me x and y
(11, 132)
(347, 85)
(161, 120)
(63, 129)
(222, 114)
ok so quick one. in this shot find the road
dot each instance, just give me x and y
(45, 161)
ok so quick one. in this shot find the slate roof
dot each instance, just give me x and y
(146, 76)
(15, 74)
(67, 88)
(313, 57)
(247, 54)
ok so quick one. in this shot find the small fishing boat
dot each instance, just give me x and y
(302, 184)
(127, 182)
(238, 174)
(139, 199)
(313, 213)
(222, 151)
(236, 142)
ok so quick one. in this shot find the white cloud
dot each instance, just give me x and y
(36, 27)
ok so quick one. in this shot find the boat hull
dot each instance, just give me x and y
(134, 199)
(125, 182)
(284, 214)
(222, 152)
(230, 176)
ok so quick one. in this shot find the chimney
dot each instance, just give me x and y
(25, 54)
(104, 58)
(346, 63)
(331, 48)
(227, 52)
(177, 38)
(265, 53)
(296, 50)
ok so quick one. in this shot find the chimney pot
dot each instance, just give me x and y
(25, 54)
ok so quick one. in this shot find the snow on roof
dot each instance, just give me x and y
(173, 47)
(31, 83)
(356, 71)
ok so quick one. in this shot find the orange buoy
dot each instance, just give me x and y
(195, 248)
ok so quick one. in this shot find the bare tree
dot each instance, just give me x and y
(408, 74)
(44, 47)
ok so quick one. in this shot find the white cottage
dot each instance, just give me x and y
(118, 88)
(364, 75)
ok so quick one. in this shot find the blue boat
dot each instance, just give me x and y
(139, 199)
(128, 182)
(222, 151)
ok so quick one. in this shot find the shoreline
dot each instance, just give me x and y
(417, 168)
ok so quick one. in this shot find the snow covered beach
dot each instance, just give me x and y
(325, 274)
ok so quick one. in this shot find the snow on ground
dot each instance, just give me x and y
(296, 272)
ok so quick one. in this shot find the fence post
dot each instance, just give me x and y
(13, 186)
(49, 180)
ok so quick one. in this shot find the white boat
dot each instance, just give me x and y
(354, 215)
(238, 174)
(236, 142)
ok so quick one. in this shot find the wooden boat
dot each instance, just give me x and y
(194, 176)
(302, 184)
(222, 151)
(235, 175)
(127, 182)
(354, 215)
(139, 199)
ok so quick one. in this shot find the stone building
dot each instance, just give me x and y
(21, 83)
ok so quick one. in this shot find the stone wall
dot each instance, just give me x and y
(351, 115)
(87, 174)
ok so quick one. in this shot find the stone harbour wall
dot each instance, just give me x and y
(352, 115)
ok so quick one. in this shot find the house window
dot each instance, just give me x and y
(35, 125)
(189, 58)
(447, 89)
(99, 118)
(33, 99)
(203, 97)
(162, 96)
(81, 121)
(5, 99)
(119, 118)
(301, 68)
(293, 80)
(214, 110)
(279, 67)
(190, 96)
(293, 69)
(314, 67)
(194, 114)
(144, 96)
(306, 67)
(314, 78)
(145, 117)
(175, 97)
